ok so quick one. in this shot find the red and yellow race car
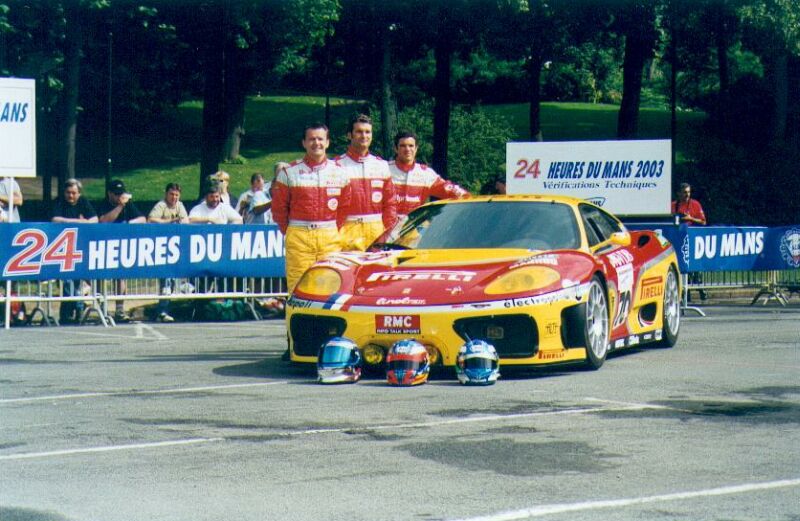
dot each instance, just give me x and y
(545, 279)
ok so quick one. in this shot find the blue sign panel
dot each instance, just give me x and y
(41, 251)
(731, 248)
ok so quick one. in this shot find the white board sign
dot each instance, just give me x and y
(17, 127)
(623, 177)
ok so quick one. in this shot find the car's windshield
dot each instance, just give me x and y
(534, 225)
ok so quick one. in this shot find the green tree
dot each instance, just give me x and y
(772, 29)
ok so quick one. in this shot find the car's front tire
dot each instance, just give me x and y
(670, 310)
(596, 325)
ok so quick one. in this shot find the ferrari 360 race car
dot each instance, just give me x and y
(544, 279)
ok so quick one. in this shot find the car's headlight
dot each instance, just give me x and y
(524, 279)
(320, 281)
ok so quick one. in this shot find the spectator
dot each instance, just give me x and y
(414, 182)
(3, 215)
(224, 180)
(306, 213)
(689, 210)
(72, 207)
(118, 208)
(255, 205)
(11, 217)
(373, 207)
(496, 185)
(280, 165)
(212, 211)
(169, 210)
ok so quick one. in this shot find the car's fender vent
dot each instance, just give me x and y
(309, 332)
(514, 336)
(573, 324)
(647, 313)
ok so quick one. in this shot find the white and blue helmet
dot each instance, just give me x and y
(338, 361)
(477, 363)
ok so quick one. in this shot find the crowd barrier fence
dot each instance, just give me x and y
(41, 298)
(218, 262)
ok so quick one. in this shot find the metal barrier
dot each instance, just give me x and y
(97, 295)
(776, 285)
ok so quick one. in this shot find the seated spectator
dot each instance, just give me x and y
(212, 210)
(223, 178)
(118, 208)
(11, 217)
(496, 185)
(72, 207)
(169, 210)
(255, 205)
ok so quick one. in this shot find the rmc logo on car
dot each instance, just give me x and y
(397, 324)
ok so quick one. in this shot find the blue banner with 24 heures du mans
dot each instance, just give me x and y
(42, 251)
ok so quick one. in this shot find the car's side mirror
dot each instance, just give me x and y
(621, 238)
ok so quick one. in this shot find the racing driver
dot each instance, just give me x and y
(373, 206)
(309, 203)
(415, 182)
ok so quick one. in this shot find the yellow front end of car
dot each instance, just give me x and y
(525, 331)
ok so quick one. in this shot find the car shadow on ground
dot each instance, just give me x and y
(273, 366)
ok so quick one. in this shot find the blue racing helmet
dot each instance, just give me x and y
(477, 363)
(338, 361)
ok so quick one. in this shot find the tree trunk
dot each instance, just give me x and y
(779, 80)
(234, 104)
(213, 134)
(46, 132)
(535, 96)
(388, 107)
(69, 105)
(721, 37)
(441, 106)
(639, 42)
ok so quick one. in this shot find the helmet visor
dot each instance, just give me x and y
(333, 354)
(404, 365)
(477, 362)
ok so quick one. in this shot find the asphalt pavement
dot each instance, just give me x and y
(200, 421)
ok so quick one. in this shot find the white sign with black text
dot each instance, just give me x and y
(17, 127)
(623, 177)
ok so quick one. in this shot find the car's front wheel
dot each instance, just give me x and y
(670, 310)
(596, 325)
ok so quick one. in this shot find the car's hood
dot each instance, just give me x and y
(431, 277)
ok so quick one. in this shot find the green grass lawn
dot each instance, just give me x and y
(170, 153)
(274, 125)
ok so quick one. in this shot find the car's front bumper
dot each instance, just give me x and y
(525, 331)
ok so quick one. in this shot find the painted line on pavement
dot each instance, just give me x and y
(140, 328)
(110, 448)
(561, 508)
(135, 392)
(306, 432)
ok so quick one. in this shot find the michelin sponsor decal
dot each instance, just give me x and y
(547, 259)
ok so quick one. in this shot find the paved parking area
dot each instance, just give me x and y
(205, 422)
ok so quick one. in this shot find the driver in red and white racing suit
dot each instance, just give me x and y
(415, 182)
(373, 204)
(310, 199)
